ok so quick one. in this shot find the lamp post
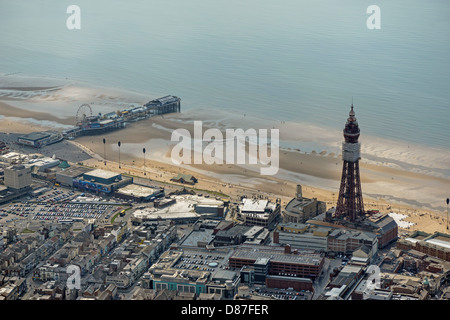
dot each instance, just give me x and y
(145, 172)
(118, 143)
(448, 200)
(104, 150)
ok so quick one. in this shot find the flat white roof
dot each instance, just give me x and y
(350, 268)
(102, 173)
(254, 205)
(137, 190)
(441, 243)
(182, 208)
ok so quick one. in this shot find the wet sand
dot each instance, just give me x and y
(236, 181)
(8, 110)
(318, 172)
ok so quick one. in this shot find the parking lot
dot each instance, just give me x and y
(282, 294)
(58, 205)
(204, 262)
(72, 211)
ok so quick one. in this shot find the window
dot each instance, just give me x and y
(161, 286)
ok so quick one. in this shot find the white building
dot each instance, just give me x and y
(17, 177)
(259, 212)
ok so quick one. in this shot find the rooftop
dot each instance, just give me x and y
(439, 239)
(35, 135)
(138, 191)
(100, 173)
(198, 236)
(184, 207)
(276, 254)
(296, 205)
(166, 99)
(74, 171)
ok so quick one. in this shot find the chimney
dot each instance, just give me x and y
(287, 249)
(276, 237)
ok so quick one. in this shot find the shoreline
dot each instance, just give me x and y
(318, 171)
(235, 181)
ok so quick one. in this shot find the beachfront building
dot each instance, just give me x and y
(101, 181)
(66, 176)
(301, 209)
(3, 147)
(167, 104)
(384, 226)
(139, 193)
(435, 245)
(185, 179)
(180, 209)
(39, 139)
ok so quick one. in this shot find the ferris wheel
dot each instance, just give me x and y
(83, 112)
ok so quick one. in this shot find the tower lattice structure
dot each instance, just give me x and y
(350, 202)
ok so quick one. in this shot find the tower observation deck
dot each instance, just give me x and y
(350, 202)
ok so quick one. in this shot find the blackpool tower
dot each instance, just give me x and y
(350, 202)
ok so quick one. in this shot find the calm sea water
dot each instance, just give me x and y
(289, 60)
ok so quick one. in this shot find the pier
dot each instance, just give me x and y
(88, 124)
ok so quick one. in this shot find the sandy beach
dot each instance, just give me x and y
(235, 181)
(388, 188)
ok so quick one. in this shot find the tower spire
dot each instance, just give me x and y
(350, 201)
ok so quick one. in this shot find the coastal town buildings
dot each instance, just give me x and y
(143, 239)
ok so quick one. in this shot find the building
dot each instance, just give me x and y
(301, 209)
(196, 271)
(230, 237)
(39, 139)
(3, 147)
(10, 158)
(327, 239)
(344, 241)
(101, 181)
(120, 230)
(435, 245)
(17, 177)
(167, 104)
(259, 212)
(185, 179)
(384, 226)
(180, 209)
(65, 177)
(301, 236)
(345, 281)
(278, 261)
(138, 193)
(42, 164)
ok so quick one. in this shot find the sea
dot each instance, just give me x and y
(299, 61)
